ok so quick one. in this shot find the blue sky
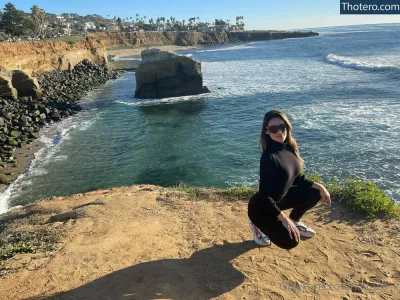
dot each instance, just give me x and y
(266, 14)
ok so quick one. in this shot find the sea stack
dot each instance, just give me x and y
(163, 74)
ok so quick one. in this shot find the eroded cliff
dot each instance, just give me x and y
(190, 38)
(42, 56)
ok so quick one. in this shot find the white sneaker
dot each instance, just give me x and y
(304, 230)
(259, 237)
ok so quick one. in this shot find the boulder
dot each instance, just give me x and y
(163, 74)
(26, 85)
(7, 90)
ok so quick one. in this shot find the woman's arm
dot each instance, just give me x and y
(325, 196)
(267, 174)
(302, 180)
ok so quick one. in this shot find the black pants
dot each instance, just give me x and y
(299, 198)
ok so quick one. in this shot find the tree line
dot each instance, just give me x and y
(16, 22)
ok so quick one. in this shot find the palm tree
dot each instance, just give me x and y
(145, 17)
(137, 17)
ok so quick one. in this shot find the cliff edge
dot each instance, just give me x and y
(148, 242)
(42, 56)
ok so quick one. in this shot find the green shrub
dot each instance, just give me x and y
(356, 194)
(240, 193)
(192, 191)
(10, 251)
(313, 176)
(363, 197)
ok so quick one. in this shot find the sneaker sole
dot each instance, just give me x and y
(252, 229)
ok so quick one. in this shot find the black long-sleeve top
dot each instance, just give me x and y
(279, 170)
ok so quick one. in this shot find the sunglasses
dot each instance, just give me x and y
(276, 128)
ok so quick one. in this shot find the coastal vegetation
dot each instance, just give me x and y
(359, 196)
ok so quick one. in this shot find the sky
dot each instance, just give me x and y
(265, 14)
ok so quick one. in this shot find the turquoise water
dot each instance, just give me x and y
(341, 91)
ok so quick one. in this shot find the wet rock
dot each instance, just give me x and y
(163, 74)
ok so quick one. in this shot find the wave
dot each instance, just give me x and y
(52, 137)
(127, 58)
(361, 63)
(228, 49)
(171, 100)
(351, 31)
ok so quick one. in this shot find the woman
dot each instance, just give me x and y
(282, 186)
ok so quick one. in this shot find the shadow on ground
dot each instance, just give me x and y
(206, 274)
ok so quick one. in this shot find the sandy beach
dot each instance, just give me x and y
(148, 242)
(24, 157)
(137, 51)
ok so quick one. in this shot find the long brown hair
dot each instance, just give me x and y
(291, 142)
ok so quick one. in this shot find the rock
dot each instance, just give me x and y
(356, 289)
(26, 85)
(15, 133)
(96, 202)
(55, 116)
(163, 74)
(6, 88)
(63, 217)
(33, 135)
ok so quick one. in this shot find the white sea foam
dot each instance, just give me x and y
(370, 63)
(162, 101)
(53, 137)
(239, 47)
(126, 58)
(348, 32)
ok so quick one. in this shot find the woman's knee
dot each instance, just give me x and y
(287, 245)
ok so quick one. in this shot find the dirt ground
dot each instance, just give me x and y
(148, 242)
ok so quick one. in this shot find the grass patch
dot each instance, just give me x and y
(358, 195)
(120, 47)
(27, 241)
(124, 64)
(363, 197)
(66, 38)
(193, 192)
(27, 235)
(239, 193)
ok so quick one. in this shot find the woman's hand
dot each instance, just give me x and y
(289, 225)
(323, 192)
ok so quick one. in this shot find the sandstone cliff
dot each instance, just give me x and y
(183, 38)
(41, 56)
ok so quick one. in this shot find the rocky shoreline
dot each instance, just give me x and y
(22, 119)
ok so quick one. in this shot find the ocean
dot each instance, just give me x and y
(341, 91)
